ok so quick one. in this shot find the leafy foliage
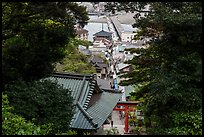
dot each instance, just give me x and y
(112, 131)
(35, 35)
(45, 101)
(69, 132)
(137, 130)
(171, 66)
(13, 124)
(16, 16)
(34, 38)
(74, 61)
(192, 122)
(189, 123)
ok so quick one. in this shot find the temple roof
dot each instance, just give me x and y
(103, 33)
(93, 104)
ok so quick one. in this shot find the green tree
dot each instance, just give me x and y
(74, 61)
(45, 101)
(17, 15)
(34, 36)
(13, 124)
(171, 67)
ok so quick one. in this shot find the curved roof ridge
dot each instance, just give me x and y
(103, 32)
(73, 75)
(90, 118)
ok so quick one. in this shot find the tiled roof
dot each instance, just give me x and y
(97, 59)
(102, 65)
(104, 84)
(128, 90)
(103, 33)
(85, 51)
(121, 66)
(81, 31)
(84, 88)
(103, 107)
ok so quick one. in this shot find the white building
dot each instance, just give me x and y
(128, 37)
(128, 33)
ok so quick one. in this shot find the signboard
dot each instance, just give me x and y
(115, 84)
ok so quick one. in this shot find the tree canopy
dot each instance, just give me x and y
(34, 36)
(13, 124)
(75, 61)
(44, 101)
(16, 16)
(170, 70)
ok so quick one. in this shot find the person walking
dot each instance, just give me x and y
(111, 123)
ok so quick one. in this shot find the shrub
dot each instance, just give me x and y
(43, 100)
(112, 131)
(185, 123)
(13, 124)
(189, 123)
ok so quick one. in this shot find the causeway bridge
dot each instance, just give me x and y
(118, 27)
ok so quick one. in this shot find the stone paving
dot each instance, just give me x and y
(117, 123)
(120, 128)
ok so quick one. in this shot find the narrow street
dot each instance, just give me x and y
(118, 121)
